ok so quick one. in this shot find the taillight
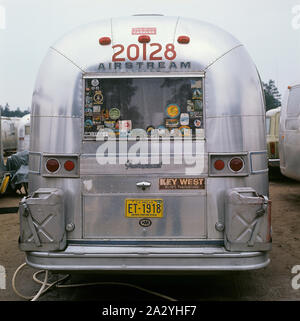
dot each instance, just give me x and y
(69, 165)
(219, 165)
(272, 148)
(52, 165)
(236, 164)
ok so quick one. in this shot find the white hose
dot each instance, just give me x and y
(45, 286)
(42, 287)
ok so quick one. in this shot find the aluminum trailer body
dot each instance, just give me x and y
(24, 133)
(9, 133)
(147, 151)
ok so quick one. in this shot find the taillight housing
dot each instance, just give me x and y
(60, 165)
(52, 165)
(228, 164)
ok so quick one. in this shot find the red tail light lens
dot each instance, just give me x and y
(272, 148)
(52, 165)
(219, 164)
(69, 165)
(236, 164)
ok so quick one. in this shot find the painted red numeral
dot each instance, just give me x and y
(170, 49)
(137, 52)
(144, 51)
(114, 57)
(155, 51)
(132, 55)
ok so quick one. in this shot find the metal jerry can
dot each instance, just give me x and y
(247, 220)
(42, 221)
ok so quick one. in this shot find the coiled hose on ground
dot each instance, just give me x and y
(45, 286)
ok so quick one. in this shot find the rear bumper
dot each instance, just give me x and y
(100, 258)
(274, 162)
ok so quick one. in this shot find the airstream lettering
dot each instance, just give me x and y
(141, 65)
(147, 167)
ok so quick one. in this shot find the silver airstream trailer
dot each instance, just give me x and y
(9, 133)
(24, 133)
(289, 133)
(147, 151)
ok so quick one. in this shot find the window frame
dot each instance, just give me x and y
(293, 91)
(143, 75)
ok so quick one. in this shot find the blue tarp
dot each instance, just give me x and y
(17, 166)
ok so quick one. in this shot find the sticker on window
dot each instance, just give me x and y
(155, 106)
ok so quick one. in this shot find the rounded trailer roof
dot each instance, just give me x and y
(207, 42)
(25, 120)
(232, 83)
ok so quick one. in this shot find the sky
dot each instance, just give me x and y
(269, 29)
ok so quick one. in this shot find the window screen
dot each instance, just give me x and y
(142, 106)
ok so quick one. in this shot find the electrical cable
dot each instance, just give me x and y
(45, 286)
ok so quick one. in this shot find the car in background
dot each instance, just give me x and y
(272, 131)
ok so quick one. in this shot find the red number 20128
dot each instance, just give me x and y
(133, 52)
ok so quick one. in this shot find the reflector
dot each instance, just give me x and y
(69, 165)
(219, 164)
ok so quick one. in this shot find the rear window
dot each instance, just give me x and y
(144, 107)
(293, 108)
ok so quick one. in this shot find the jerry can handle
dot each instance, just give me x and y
(259, 214)
(27, 215)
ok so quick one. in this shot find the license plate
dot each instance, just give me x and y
(144, 207)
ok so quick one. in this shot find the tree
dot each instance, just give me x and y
(272, 95)
(6, 112)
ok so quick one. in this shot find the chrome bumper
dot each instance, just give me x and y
(100, 258)
(274, 162)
